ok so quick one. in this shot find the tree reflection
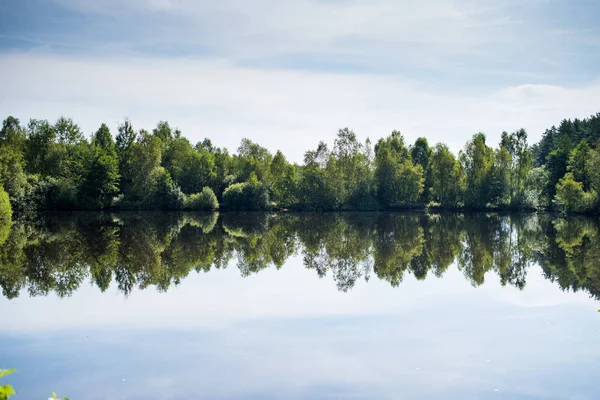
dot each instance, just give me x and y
(139, 250)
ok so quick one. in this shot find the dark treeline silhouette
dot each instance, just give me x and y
(54, 166)
(61, 252)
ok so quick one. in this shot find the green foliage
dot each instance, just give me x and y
(12, 172)
(249, 196)
(536, 194)
(124, 143)
(190, 168)
(477, 160)
(556, 164)
(101, 180)
(421, 155)
(57, 194)
(252, 158)
(62, 254)
(103, 139)
(399, 181)
(52, 166)
(167, 195)
(284, 181)
(570, 195)
(447, 177)
(593, 170)
(205, 200)
(144, 167)
(317, 186)
(520, 164)
(6, 390)
(500, 177)
(5, 207)
(577, 164)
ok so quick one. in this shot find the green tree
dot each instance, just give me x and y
(40, 135)
(421, 155)
(205, 200)
(593, 170)
(145, 167)
(557, 162)
(316, 190)
(399, 181)
(348, 165)
(103, 139)
(570, 194)
(5, 208)
(191, 169)
(521, 163)
(577, 164)
(250, 196)
(500, 177)
(67, 132)
(284, 180)
(252, 158)
(447, 177)
(101, 182)
(477, 160)
(124, 144)
(12, 159)
(165, 133)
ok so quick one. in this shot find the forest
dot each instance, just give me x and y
(54, 166)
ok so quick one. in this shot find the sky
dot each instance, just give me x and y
(289, 74)
(262, 337)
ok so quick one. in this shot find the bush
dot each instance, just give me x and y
(5, 215)
(205, 200)
(362, 199)
(168, 195)
(57, 194)
(571, 196)
(249, 196)
(5, 208)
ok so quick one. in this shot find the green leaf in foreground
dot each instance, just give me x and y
(6, 391)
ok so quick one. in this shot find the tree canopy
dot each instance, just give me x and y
(45, 165)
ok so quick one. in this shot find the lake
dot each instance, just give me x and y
(301, 306)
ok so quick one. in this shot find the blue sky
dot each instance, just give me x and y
(288, 74)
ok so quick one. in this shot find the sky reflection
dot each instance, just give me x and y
(286, 334)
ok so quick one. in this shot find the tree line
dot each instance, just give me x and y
(45, 166)
(60, 253)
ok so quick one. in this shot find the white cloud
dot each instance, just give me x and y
(287, 110)
(409, 31)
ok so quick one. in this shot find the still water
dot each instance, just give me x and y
(301, 306)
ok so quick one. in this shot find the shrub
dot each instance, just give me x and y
(168, 195)
(5, 208)
(57, 194)
(570, 195)
(249, 196)
(205, 200)
(362, 199)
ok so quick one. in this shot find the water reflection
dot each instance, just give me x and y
(61, 252)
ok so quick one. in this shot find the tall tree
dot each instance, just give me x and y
(12, 159)
(124, 144)
(399, 181)
(477, 160)
(557, 162)
(577, 163)
(101, 182)
(447, 177)
(421, 153)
